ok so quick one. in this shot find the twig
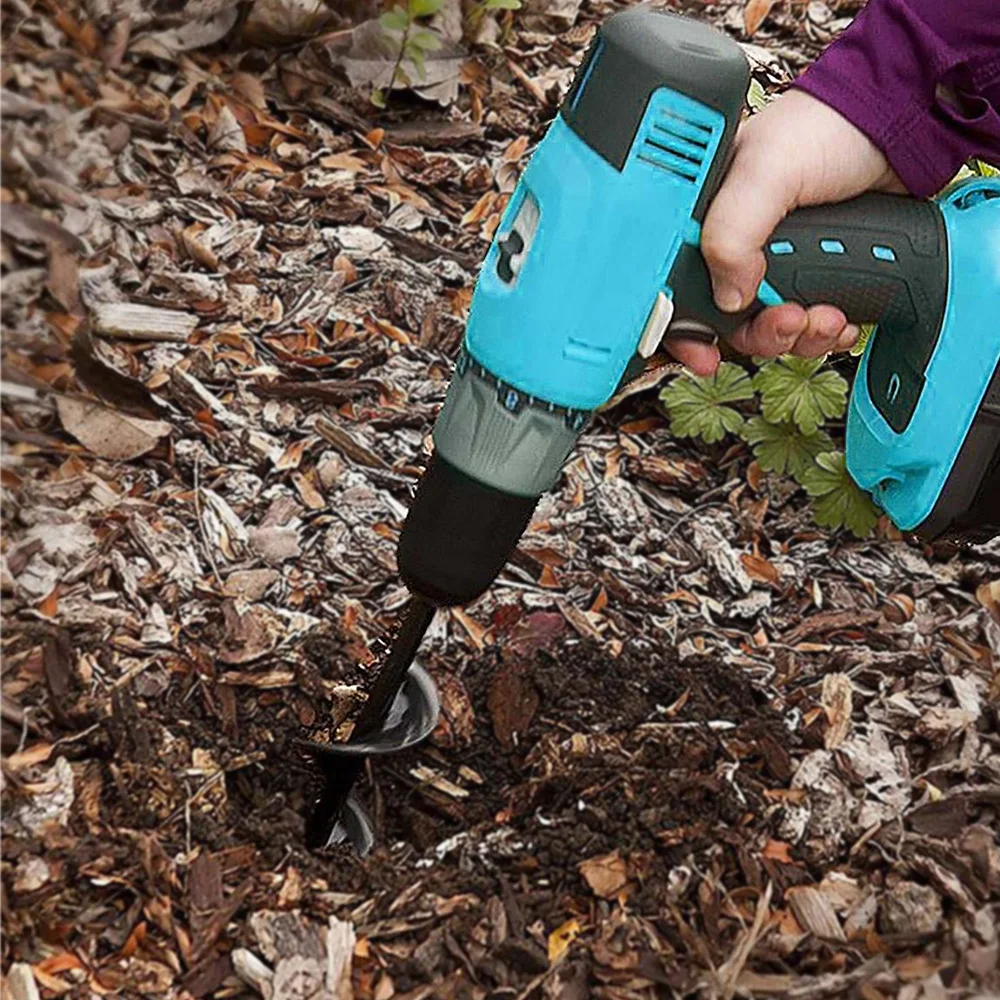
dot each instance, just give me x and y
(729, 972)
(201, 523)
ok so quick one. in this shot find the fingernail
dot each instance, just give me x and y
(729, 298)
(848, 337)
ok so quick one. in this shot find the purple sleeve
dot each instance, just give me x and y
(921, 78)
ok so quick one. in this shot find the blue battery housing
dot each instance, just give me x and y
(926, 475)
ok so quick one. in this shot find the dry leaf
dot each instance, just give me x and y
(988, 595)
(279, 22)
(226, 134)
(24, 224)
(192, 35)
(367, 54)
(606, 874)
(561, 938)
(777, 850)
(754, 14)
(512, 702)
(109, 433)
(759, 569)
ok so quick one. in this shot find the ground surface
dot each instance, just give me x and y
(689, 743)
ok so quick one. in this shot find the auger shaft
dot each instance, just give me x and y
(336, 816)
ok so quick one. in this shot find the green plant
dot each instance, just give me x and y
(412, 40)
(837, 500)
(794, 389)
(476, 11)
(782, 447)
(794, 398)
(697, 406)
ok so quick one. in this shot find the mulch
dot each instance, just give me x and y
(689, 744)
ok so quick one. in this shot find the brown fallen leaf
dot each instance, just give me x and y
(280, 22)
(63, 279)
(108, 433)
(988, 595)
(250, 584)
(759, 569)
(22, 223)
(194, 34)
(754, 13)
(512, 702)
(368, 54)
(606, 874)
(777, 850)
(226, 134)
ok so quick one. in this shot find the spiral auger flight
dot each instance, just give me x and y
(401, 710)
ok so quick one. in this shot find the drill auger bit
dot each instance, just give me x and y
(401, 710)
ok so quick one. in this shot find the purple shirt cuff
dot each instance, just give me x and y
(886, 74)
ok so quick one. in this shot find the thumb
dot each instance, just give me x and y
(749, 204)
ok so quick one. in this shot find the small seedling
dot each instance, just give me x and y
(412, 40)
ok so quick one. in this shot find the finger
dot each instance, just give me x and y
(753, 199)
(699, 358)
(772, 332)
(848, 337)
(824, 325)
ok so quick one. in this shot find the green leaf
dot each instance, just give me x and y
(795, 389)
(425, 40)
(424, 8)
(783, 447)
(757, 96)
(867, 329)
(502, 5)
(697, 405)
(837, 500)
(416, 56)
(378, 97)
(395, 20)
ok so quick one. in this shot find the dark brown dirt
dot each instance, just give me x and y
(599, 769)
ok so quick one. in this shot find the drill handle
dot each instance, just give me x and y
(881, 258)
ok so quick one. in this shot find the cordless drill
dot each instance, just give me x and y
(596, 260)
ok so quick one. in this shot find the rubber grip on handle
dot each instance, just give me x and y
(881, 258)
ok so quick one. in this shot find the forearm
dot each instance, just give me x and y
(922, 79)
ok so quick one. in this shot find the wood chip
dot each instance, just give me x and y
(129, 321)
(429, 776)
(836, 701)
(813, 911)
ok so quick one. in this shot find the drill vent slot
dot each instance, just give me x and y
(677, 145)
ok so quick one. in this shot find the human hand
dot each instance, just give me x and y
(797, 151)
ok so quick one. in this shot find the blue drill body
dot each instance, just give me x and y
(596, 260)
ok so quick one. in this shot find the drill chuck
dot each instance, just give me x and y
(458, 534)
